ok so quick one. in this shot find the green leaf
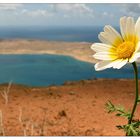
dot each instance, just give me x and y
(138, 101)
(118, 114)
(110, 107)
(131, 129)
(120, 127)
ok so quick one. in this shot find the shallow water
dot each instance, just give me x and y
(43, 70)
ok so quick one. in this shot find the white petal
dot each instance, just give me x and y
(137, 28)
(106, 64)
(137, 47)
(120, 64)
(103, 39)
(102, 65)
(130, 26)
(105, 56)
(112, 33)
(100, 47)
(116, 63)
(127, 27)
(110, 36)
(123, 26)
(135, 55)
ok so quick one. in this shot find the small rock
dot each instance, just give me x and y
(62, 113)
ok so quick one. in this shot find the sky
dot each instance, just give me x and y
(65, 14)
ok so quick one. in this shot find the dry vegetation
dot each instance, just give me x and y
(5, 93)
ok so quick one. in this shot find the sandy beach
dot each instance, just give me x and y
(73, 109)
(78, 50)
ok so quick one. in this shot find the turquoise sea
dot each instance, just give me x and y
(43, 70)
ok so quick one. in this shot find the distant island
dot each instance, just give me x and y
(77, 50)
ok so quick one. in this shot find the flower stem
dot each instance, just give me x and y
(137, 95)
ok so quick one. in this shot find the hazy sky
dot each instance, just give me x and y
(65, 14)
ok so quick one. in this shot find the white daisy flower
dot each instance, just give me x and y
(116, 50)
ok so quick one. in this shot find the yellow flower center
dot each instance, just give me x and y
(125, 50)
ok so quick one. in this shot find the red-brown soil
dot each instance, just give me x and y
(73, 109)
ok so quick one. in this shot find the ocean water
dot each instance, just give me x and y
(43, 70)
(71, 34)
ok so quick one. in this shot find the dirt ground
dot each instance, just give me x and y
(73, 109)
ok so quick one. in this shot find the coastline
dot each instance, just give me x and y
(77, 50)
(76, 108)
